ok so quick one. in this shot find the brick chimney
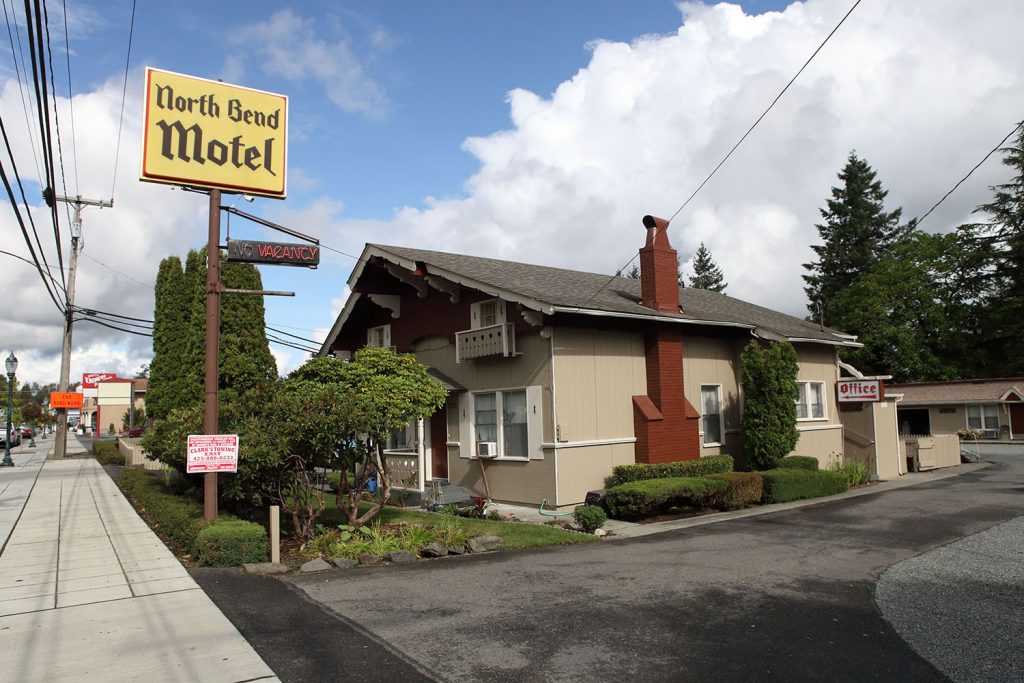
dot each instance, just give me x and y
(665, 423)
(659, 271)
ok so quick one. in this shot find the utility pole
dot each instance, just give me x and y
(212, 367)
(60, 445)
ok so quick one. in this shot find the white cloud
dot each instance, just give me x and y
(290, 46)
(921, 95)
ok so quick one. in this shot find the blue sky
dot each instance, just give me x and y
(534, 131)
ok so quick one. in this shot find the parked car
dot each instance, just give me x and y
(26, 432)
(137, 432)
(15, 436)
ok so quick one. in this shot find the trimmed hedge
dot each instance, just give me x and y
(623, 474)
(230, 543)
(107, 453)
(745, 489)
(798, 462)
(180, 519)
(784, 485)
(639, 499)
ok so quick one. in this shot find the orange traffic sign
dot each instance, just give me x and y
(68, 399)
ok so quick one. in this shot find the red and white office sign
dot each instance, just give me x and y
(860, 390)
(91, 379)
(212, 453)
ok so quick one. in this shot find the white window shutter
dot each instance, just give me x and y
(535, 421)
(387, 337)
(499, 311)
(474, 316)
(465, 425)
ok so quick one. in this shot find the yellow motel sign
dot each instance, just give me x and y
(206, 133)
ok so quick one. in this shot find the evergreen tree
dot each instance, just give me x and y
(634, 272)
(1001, 239)
(856, 231)
(170, 324)
(706, 273)
(769, 405)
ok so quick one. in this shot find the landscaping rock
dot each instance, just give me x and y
(400, 557)
(457, 550)
(344, 562)
(368, 560)
(600, 532)
(483, 544)
(434, 549)
(316, 565)
(265, 568)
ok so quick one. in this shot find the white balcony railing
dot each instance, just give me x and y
(493, 340)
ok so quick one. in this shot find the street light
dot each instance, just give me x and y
(12, 367)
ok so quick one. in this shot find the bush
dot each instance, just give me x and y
(798, 462)
(590, 518)
(638, 499)
(230, 543)
(744, 489)
(175, 517)
(784, 485)
(623, 474)
(107, 453)
(855, 471)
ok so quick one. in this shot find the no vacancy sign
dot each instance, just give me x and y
(212, 453)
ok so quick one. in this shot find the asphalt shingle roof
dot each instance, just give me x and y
(959, 391)
(572, 288)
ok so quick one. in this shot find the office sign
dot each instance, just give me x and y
(860, 390)
(274, 253)
(212, 453)
(203, 133)
(65, 399)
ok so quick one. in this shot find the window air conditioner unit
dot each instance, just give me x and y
(487, 449)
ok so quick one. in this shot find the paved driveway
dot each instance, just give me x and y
(784, 596)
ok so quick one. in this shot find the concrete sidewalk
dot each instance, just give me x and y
(89, 592)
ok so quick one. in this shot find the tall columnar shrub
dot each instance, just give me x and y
(769, 405)
(170, 325)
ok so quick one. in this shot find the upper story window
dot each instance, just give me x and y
(810, 404)
(379, 337)
(711, 413)
(487, 313)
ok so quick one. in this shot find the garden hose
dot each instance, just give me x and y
(551, 514)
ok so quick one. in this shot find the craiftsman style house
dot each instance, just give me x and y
(555, 376)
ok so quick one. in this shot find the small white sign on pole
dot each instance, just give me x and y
(860, 390)
(212, 453)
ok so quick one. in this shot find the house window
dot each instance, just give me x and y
(487, 313)
(983, 417)
(810, 404)
(379, 337)
(711, 413)
(398, 439)
(501, 417)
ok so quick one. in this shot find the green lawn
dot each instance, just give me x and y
(515, 535)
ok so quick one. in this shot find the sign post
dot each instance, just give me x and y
(208, 134)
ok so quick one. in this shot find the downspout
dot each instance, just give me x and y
(421, 455)
(554, 410)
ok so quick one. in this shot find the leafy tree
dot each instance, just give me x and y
(856, 232)
(1000, 237)
(706, 273)
(167, 370)
(769, 404)
(142, 372)
(347, 411)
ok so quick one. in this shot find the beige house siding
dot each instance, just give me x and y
(820, 438)
(715, 360)
(948, 422)
(584, 468)
(887, 442)
(510, 481)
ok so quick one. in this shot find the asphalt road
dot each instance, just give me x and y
(785, 596)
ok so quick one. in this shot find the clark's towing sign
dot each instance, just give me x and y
(203, 133)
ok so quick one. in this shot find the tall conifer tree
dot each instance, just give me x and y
(856, 231)
(706, 273)
(170, 326)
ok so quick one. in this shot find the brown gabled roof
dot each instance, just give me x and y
(565, 291)
(958, 391)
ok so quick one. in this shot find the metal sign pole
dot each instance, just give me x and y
(213, 289)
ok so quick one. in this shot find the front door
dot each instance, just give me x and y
(439, 444)
(1017, 420)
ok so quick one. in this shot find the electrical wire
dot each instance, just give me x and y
(71, 97)
(115, 270)
(969, 173)
(113, 327)
(56, 115)
(293, 336)
(124, 93)
(21, 84)
(734, 147)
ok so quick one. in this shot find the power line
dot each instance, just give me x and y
(56, 115)
(115, 270)
(124, 93)
(71, 97)
(113, 327)
(976, 167)
(21, 84)
(293, 336)
(734, 147)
